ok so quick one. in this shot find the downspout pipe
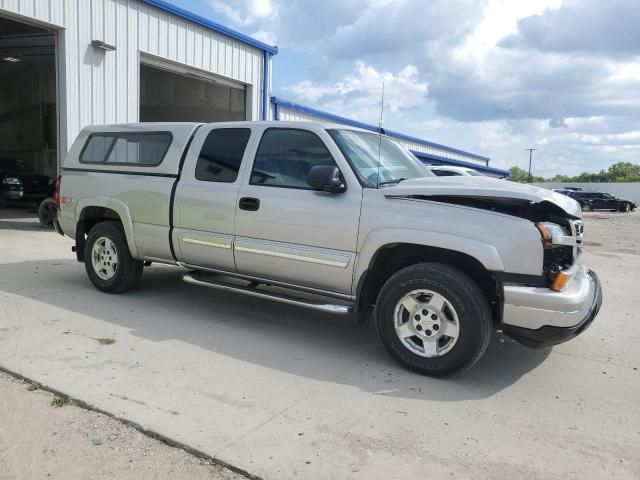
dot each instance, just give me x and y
(276, 109)
(265, 85)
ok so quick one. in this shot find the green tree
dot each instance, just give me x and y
(618, 172)
(624, 172)
(522, 176)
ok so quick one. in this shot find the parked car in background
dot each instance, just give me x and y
(563, 191)
(590, 201)
(450, 171)
(19, 183)
(280, 210)
(575, 189)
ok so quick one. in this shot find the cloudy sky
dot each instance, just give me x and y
(489, 76)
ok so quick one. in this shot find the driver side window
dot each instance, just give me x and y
(286, 155)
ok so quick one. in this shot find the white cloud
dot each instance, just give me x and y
(489, 76)
(265, 36)
(358, 93)
(243, 12)
(500, 19)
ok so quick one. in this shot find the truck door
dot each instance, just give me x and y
(206, 197)
(287, 231)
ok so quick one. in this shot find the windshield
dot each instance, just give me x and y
(378, 159)
(13, 165)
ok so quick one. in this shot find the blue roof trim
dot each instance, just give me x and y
(204, 22)
(459, 163)
(373, 128)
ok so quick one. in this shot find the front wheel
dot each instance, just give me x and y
(586, 207)
(625, 207)
(433, 319)
(108, 261)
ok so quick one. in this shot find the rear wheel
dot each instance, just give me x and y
(108, 261)
(47, 212)
(433, 319)
(586, 207)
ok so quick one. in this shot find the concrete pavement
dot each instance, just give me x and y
(283, 392)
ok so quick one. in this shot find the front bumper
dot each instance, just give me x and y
(19, 195)
(541, 317)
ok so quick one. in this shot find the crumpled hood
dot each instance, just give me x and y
(481, 187)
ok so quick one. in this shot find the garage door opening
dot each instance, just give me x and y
(28, 100)
(167, 96)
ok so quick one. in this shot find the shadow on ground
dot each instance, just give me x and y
(23, 217)
(290, 339)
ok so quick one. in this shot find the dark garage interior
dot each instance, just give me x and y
(28, 106)
(167, 96)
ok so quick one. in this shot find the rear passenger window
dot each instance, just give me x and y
(146, 149)
(221, 155)
(285, 157)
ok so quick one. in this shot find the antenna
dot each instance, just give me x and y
(380, 133)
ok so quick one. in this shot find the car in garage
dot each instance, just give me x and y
(19, 183)
(590, 201)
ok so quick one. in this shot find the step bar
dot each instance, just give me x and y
(254, 292)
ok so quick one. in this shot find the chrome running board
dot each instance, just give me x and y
(276, 297)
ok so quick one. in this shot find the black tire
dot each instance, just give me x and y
(585, 207)
(128, 272)
(470, 303)
(625, 207)
(3, 203)
(47, 213)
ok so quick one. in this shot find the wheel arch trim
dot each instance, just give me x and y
(487, 255)
(121, 210)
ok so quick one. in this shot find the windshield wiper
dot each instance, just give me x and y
(392, 182)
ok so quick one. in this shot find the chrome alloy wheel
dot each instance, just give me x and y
(426, 323)
(104, 258)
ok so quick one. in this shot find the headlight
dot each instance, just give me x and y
(552, 234)
(11, 181)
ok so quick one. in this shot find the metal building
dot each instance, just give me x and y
(65, 64)
(429, 152)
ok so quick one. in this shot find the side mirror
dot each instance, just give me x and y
(326, 178)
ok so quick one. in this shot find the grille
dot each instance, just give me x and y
(577, 230)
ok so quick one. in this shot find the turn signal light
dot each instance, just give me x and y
(547, 238)
(561, 281)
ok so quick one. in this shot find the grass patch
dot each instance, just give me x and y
(60, 401)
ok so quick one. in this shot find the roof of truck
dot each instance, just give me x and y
(155, 126)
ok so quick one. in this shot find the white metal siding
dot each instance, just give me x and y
(103, 87)
(289, 114)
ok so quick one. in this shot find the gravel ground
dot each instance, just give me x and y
(613, 232)
(39, 439)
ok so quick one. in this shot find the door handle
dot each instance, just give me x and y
(249, 203)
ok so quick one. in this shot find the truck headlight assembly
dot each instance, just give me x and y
(552, 234)
(559, 254)
(11, 181)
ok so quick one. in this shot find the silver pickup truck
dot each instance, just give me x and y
(334, 219)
